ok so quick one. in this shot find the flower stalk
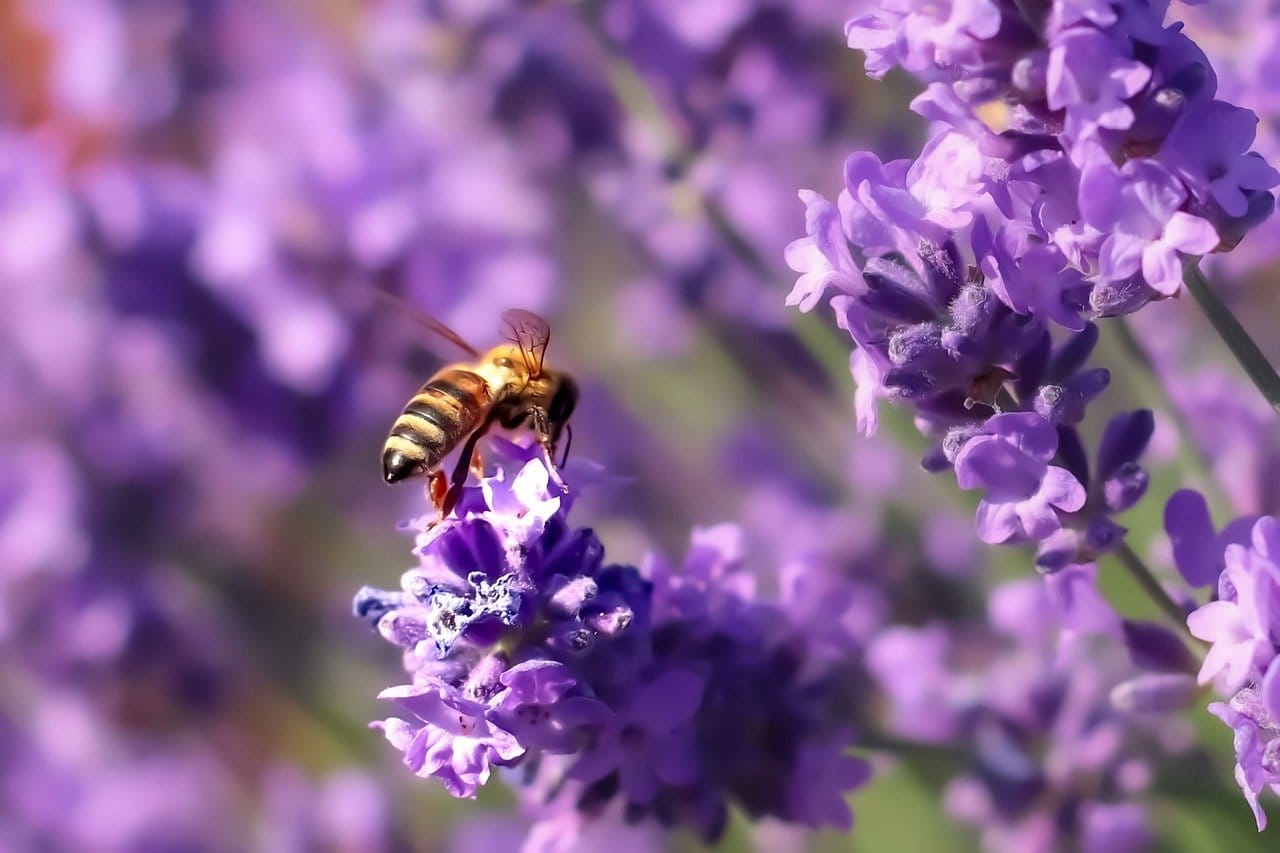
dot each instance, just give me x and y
(1140, 572)
(1242, 346)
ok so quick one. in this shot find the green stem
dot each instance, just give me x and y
(1233, 334)
(1157, 394)
(1138, 571)
(924, 755)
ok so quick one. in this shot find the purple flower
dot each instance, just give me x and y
(823, 258)
(641, 688)
(1257, 745)
(1243, 625)
(447, 736)
(1091, 80)
(1209, 149)
(822, 775)
(1198, 550)
(1024, 493)
(648, 742)
(1137, 206)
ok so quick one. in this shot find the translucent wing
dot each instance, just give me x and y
(432, 323)
(529, 332)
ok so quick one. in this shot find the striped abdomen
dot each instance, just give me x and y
(444, 412)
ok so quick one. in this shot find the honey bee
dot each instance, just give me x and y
(509, 385)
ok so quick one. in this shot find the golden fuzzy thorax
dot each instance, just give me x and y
(505, 371)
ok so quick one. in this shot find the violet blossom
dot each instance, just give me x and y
(635, 686)
(1242, 626)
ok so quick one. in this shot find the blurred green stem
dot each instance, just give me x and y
(1158, 396)
(936, 761)
(1246, 352)
(1154, 590)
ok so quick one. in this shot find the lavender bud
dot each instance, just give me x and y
(571, 638)
(371, 604)
(405, 627)
(1118, 298)
(1125, 487)
(1154, 647)
(1155, 694)
(571, 595)
(1124, 440)
(610, 622)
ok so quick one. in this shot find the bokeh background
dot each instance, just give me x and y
(200, 201)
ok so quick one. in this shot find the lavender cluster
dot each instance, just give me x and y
(1045, 759)
(1240, 564)
(663, 693)
(1077, 162)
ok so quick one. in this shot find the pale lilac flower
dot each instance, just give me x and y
(1024, 495)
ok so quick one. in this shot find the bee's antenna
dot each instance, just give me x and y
(568, 442)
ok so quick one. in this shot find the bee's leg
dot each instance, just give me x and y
(542, 426)
(477, 462)
(461, 469)
(568, 443)
(437, 488)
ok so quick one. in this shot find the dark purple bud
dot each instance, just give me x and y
(371, 604)
(935, 459)
(1118, 298)
(612, 621)
(579, 553)
(1154, 117)
(1155, 694)
(908, 383)
(1124, 440)
(1197, 551)
(1072, 355)
(1156, 648)
(1060, 550)
(473, 543)
(895, 292)
(1101, 535)
(404, 628)
(1066, 404)
(569, 596)
(1031, 368)
(918, 345)
(1125, 487)
(1071, 453)
(1231, 230)
(945, 271)
(571, 638)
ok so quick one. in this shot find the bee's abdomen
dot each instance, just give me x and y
(440, 415)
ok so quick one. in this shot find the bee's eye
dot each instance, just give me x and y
(504, 362)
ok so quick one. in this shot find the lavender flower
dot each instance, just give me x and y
(1055, 101)
(1048, 762)
(1243, 627)
(640, 687)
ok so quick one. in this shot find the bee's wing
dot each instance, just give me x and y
(529, 332)
(434, 324)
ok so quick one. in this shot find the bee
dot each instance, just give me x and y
(509, 385)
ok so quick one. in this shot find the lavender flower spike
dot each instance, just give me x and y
(1243, 662)
(611, 685)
